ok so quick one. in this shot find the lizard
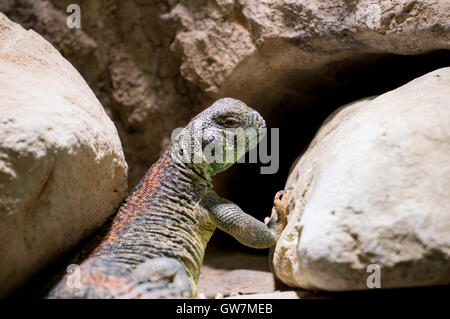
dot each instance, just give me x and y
(153, 246)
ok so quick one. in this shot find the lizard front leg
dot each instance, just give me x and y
(229, 217)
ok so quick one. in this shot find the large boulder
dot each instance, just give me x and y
(62, 168)
(371, 195)
(261, 50)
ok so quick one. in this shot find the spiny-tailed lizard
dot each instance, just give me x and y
(153, 246)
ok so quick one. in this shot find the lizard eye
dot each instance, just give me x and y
(230, 122)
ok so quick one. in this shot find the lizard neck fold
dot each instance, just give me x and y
(191, 161)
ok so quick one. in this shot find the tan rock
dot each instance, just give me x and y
(374, 188)
(239, 281)
(260, 51)
(62, 168)
(232, 272)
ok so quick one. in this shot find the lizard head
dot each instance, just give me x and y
(217, 137)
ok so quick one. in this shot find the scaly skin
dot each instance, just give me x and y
(153, 246)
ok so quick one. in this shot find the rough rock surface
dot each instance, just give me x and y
(153, 64)
(62, 168)
(374, 188)
(231, 272)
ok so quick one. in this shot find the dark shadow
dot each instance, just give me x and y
(300, 115)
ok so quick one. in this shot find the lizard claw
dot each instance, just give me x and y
(281, 201)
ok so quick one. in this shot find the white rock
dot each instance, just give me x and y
(62, 168)
(374, 188)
